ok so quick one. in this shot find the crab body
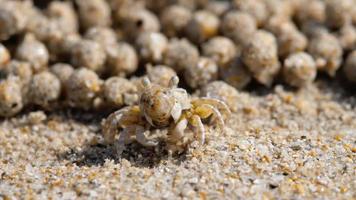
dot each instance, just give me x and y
(167, 108)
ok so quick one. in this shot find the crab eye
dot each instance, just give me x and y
(146, 82)
(174, 81)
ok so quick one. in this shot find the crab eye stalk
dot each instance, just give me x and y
(174, 82)
(146, 82)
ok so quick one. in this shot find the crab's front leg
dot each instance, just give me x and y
(197, 123)
(220, 105)
(178, 131)
(124, 138)
(142, 138)
(207, 109)
(111, 125)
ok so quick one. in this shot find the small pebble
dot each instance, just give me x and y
(36, 117)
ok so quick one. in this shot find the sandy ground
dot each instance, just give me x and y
(282, 144)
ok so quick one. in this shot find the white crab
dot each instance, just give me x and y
(160, 107)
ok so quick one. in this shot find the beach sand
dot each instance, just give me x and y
(281, 144)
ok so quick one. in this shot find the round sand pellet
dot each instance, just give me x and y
(10, 97)
(260, 56)
(338, 12)
(160, 74)
(93, 13)
(222, 91)
(238, 26)
(235, 74)
(64, 14)
(151, 46)
(119, 91)
(180, 54)
(139, 21)
(221, 49)
(44, 89)
(350, 67)
(122, 59)
(4, 56)
(20, 69)
(82, 87)
(12, 18)
(256, 8)
(347, 37)
(33, 51)
(202, 26)
(174, 19)
(105, 36)
(89, 54)
(63, 71)
(299, 69)
(327, 52)
(202, 73)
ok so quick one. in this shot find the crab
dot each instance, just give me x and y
(166, 108)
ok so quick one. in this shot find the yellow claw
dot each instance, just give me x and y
(132, 117)
(193, 121)
(203, 112)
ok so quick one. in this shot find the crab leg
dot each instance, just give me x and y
(111, 125)
(201, 130)
(176, 112)
(221, 105)
(178, 131)
(216, 113)
(142, 138)
(123, 138)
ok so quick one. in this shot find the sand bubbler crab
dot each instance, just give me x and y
(169, 109)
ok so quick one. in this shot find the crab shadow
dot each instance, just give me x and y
(136, 154)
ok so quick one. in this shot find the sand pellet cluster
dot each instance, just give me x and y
(285, 68)
(241, 43)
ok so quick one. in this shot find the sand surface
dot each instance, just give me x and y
(282, 144)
